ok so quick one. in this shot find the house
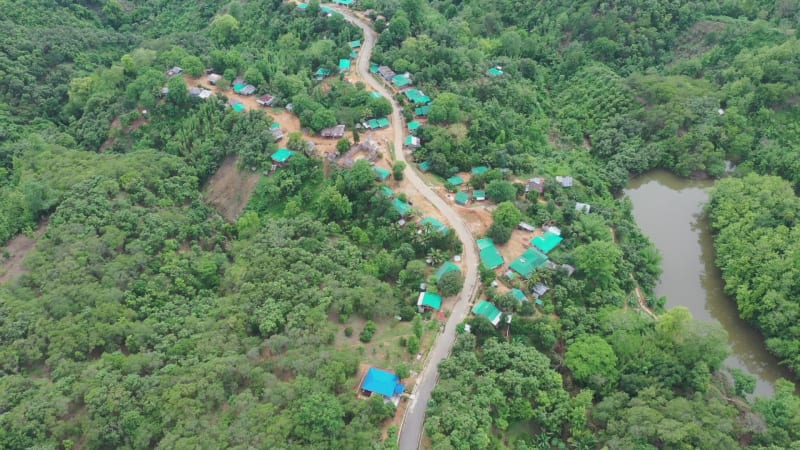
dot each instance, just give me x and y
(529, 261)
(519, 295)
(387, 192)
(164, 92)
(195, 91)
(322, 73)
(238, 107)
(427, 301)
(539, 289)
(495, 71)
(585, 207)
(524, 226)
(214, 78)
(411, 141)
(277, 133)
(479, 195)
(425, 166)
(282, 156)
(462, 198)
(205, 94)
(383, 383)
(355, 44)
(413, 126)
(373, 68)
(490, 257)
(565, 181)
(434, 224)
(535, 184)
(248, 89)
(174, 71)
(479, 170)
(446, 268)
(333, 132)
(344, 65)
(569, 269)
(386, 73)
(401, 207)
(455, 180)
(416, 96)
(347, 3)
(377, 124)
(546, 242)
(422, 111)
(381, 174)
(401, 80)
(375, 94)
(265, 100)
(302, 6)
(487, 310)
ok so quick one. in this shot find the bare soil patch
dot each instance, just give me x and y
(229, 189)
(18, 248)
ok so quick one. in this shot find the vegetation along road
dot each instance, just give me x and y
(411, 430)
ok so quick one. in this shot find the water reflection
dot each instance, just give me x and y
(669, 210)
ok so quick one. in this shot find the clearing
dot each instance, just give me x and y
(229, 189)
(18, 248)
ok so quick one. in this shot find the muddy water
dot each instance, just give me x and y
(668, 209)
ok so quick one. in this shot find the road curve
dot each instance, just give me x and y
(411, 428)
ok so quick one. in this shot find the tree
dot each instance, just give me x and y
(417, 325)
(507, 215)
(598, 261)
(254, 76)
(248, 224)
(192, 65)
(343, 145)
(412, 345)
(450, 283)
(500, 191)
(401, 370)
(445, 108)
(178, 93)
(592, 362)
(397, 170)
(225, 29)
(322, 118)
(499, 233)
(368, 331)
(332, 205)
(316, 416)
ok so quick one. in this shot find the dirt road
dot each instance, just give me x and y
(412, 427)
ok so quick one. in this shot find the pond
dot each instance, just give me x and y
(669, 210)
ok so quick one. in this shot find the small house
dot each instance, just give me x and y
(529, 261)
(416, 96)
(519, 295)
(585, 207)
(455, 180)
(546, 242)
(490, 256)
(425, 166)
(428, 301)
(164, 91)
(413, 126)
(266, 100)
(214, 78)
(524, 226)
(355, 44)
(282, 156)
(174, 71)
(495, 71)
(479, 195)
(479, 170)
(248, 89)
(446, 268)
(565, 181)
(386, 73)
(322, 73)
(487, 310)
(401, 207)
(422, 111)
(539, 289)
(535, 184)
(373, 68)
(412, 142)
(462, 198)
(347, 3)
(381, 174)
(434, 224)
(275, 130)
(569, 269)
(401, 80)
(302, 6)
(195, 92)
(375, 94)
(387, 192)
(333, 132)
(383, 383)
(205, 94)
(344, 65)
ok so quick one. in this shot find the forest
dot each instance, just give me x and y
(143, 319)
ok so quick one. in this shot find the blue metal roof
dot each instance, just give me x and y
(382, 382)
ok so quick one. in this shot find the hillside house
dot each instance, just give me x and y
(333, 132)
(174, 71)
(214, 78)
(386, 73)
(266, 100)
(535, 184)
(383, 383)
(487, 310)
(429, 301)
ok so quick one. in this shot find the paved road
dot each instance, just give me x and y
(411, 430)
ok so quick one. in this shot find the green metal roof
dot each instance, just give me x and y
(435, 224)
(355, 44)
(353, 55)
(417, 96)
(274, 126)
(430, 300)
(462, 197)
(401, 207)
(381, 173)
(425, 166)
(373, 68)
(479, 194)
(387, 192)
(446, 268)
(302, 6)
(344, 64)
(282, 155)
(547, 242)
(400, 80)
(529, 261)
(383, 122)
(479, 170)
(238, 107)
(519, 295)
(487, 310)
(422, 110)
(238, 87)
(375, 94)
(344, 2)
(491, 258)
(455, 180)
(484, 242)
(322, 72)
(414, 125)
(494, 72)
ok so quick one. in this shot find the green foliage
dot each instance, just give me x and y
(499, 233)
(593, 362)
(397, 170)
(507, 214)
(450, 283)
(367, 332)
(501, 191)
(412, 345)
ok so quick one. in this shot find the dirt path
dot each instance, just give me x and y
(18, 248)
(637, 291)
(411, 431)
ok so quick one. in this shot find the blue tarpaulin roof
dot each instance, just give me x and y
(382, 382)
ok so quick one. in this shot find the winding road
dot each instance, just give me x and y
(412, 426)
